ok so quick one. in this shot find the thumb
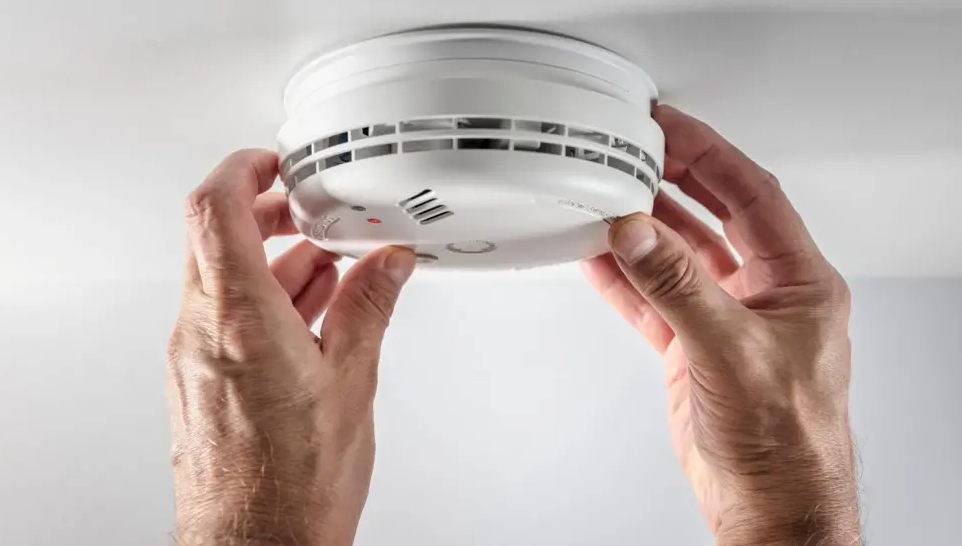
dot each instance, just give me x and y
(663, 268)
(364, 302)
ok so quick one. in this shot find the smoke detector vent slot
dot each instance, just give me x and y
(552, 128)
(302, 174)
(373, 131)
(430, 124)
(588, 134)
(627, 147)
(587, 155)
(336, 160)
(483, 123)
(650, 161)
(483, 143)
(374, 151)
(331, 141)
(428, 145)
(300, 155)
(648, 182)
(622, 166)
(538, 147)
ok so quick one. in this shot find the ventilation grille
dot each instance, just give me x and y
(475, 133)
(425, 208)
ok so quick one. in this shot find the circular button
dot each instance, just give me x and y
(472, 247)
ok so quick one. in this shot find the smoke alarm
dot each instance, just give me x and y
(477, 148)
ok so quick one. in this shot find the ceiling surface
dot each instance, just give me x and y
(111, 111)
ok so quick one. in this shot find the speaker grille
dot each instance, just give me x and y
(425, 208)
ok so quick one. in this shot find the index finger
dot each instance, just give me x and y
(224, 235)
(752, 204)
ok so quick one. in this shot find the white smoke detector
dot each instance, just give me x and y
(477, 148)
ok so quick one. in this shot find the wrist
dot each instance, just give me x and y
(235, 521)
(803, 492)
(821, 511)
(814, 526)
(239, 497)
(186, 540)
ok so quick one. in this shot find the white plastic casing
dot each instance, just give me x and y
(478, 148)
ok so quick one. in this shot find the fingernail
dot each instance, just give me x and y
(634, 240)
(399, 264)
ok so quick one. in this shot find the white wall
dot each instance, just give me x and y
(537, 419)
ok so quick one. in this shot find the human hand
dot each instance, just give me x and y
(756, 356)
(273, 432)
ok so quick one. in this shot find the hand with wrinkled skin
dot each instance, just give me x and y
(756, 356)
(273, 434)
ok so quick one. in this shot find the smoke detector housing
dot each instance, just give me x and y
(477, 148)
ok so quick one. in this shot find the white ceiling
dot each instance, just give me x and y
(110, 111)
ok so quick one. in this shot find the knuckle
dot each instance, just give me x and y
(232, 300)
(199, 205)
(249, 160)
(175, 347)
(240, 156)
(773, 180)
(840, 290)
(834, 291)
(188, 335)
(228, 327)
(247, 155)
(673, 277)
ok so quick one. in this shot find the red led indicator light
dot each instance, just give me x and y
(373, 221)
